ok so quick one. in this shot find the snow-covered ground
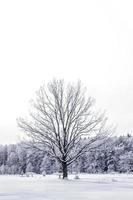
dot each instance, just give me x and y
(88, 187)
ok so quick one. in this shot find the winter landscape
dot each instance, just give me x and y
(104, 173)
(66, 100)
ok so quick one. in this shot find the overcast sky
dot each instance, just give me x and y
(87, 40)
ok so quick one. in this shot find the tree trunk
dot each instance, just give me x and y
(64, 170)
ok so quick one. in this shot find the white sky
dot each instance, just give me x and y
(87, 40)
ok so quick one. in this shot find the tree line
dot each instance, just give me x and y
(116, 155)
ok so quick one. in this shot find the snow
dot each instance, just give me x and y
(88, 187)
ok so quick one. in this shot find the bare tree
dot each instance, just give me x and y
(61, 118)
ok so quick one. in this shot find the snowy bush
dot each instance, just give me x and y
(76, 177)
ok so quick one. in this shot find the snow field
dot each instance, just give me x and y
(88, 187)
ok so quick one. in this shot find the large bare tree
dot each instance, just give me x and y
(61, 119)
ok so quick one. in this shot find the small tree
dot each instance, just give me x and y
(61, 119)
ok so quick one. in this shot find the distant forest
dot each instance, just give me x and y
(113, 156)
